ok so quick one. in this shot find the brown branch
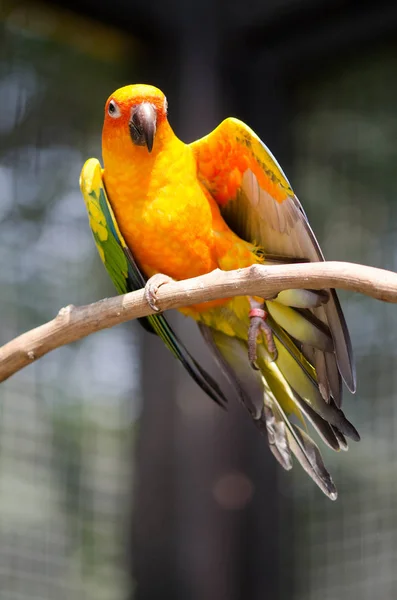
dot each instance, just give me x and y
(74, 323)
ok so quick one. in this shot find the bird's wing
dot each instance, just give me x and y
(125, 274)
(258, 203)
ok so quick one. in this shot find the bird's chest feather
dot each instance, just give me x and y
(165, 218)
(175, 232)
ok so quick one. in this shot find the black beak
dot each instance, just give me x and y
(143, 125)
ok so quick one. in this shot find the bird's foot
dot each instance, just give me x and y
(259, 325)
(152, 287)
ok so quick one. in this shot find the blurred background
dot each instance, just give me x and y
(119, 479)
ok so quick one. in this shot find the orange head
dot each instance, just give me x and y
(134, 114)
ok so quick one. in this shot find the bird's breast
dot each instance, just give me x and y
(167, 223)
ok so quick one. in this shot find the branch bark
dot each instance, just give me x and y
(74, 323)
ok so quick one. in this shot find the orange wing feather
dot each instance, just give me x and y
(258, 203)
(227, 153)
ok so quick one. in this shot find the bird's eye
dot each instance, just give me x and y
(114, 110)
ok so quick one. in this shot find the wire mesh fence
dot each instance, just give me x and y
(68, 424)
(345, 155)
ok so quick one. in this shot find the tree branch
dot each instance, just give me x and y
(74, 323)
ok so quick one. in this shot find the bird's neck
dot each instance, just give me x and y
(123, 159)
(131, 172)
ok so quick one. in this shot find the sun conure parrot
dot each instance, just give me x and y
(163, 209)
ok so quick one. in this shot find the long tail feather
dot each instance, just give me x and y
(272, 396)
(308, 455)
(334, 378)
(277, 435)
(341, 438)
(324, 429)
(311, 460)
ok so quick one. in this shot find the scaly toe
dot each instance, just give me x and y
(253, 332)
(152, 287)
(259, 325)
(270, 343)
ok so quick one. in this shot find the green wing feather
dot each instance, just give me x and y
(125, 274)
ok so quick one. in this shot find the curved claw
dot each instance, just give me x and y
(258, 325)
(152, 287)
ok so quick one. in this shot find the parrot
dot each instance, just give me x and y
(162, 210)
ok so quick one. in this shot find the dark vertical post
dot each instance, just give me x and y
(205, 542)
(258, 92)
(153, 555)
(153, 548)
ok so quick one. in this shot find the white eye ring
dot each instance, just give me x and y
(113, 110)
